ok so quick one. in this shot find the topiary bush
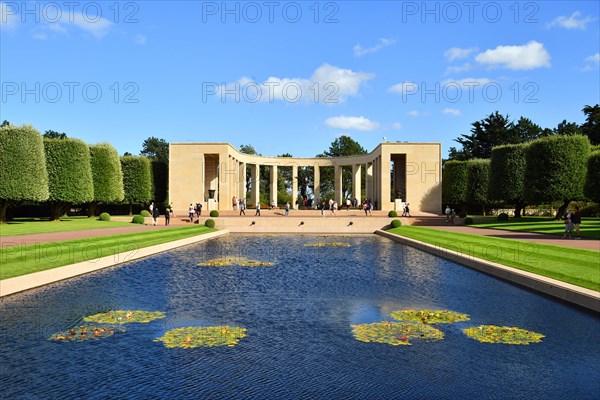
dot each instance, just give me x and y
(502, 217)
(145, 213)
(392, 214)
(214, 213)
(396, 223)
(468, 221)
(209, 223)
(138, 219)
(462, 214)
(104, 216)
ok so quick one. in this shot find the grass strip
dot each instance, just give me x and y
(28, 226)
(575, 266)
(590, 227)
(22, 260)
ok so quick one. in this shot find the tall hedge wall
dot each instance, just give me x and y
(478, 172)
(507, 173)
(592, 182)
(69, 171)
(454, 182)
(137, 179)
(106, 173)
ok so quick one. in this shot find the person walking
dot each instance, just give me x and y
(568, 219)
(576, 219)
(334, 208)
(448, 211)
(257, 209)
(243, 207)
(168, 217)
(155, 215)
(287, 208)
(191, 212)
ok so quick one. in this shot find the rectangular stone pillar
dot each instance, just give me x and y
(369, 181)
(295, 186)
(274, 184)
(386, 182)
(356, 181)
(317, 185)
(224, 195)
(255, 175)
(242, 180)
(337, 184)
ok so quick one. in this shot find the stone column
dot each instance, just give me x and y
(337, 184)
(274, 184)
(369, 180)
(317, 184)
(242, 180)
(255, 174)
(294, 186)
(356, 181)
(386, 184)
(224, 179)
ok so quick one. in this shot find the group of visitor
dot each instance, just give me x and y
(572, 221)
(154, 211)
(450, 214)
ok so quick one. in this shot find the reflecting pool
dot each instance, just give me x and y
(298, 316)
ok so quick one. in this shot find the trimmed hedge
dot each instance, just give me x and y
(214, 213)
(396, 223)
(477, 181)
(209, 223)
(502, 217)
(106, 173)
(138, 219)
(145, 213)
(454, 182)
(392, 214)
(507, 173)
(592, 181)
(104, 216)
(556, 168)
(462, 214)
(137, 179)
(468, 221)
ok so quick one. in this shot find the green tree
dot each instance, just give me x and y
(556, 170)
(592, 181)
(478, 172)
(23, 174)
(494, 130)
(155, 149)
(137, 180)
(526, 131)
(107, 176)
(50, 134)
(4, 124)
(454, 183)
(591, 126)
(69, 174)
(340, 147)
(507, 175)
(567, 128)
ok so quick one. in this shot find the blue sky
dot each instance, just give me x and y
(293, 76)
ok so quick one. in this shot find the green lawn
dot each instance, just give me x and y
(21, 260)
(576, 266)
(590, 227)
(28, 226)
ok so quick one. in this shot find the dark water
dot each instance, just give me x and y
(298, 315)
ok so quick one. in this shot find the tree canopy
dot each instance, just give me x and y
(155, 149)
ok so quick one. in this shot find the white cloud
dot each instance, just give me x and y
(573, 22)
(451, 111)
(140, 39)
(592, 62)
(529, 56)
(96, 27)
(467, 82)
(359, 51)
(328, 84)
(9, 18)
(414, 113)
(456, 53)
(359, 123)
(594, 59)
(460, 68)
(396, 125)
(404, 87)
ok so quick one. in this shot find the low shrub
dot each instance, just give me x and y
(209, 223)
(462, 214)
(214, 213)
(392, 214)
(468, 221)
(145, 213)
(104, 216)
(396, 223)
(138, 219)
(502, 217)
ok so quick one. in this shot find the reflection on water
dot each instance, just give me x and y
(298, 314)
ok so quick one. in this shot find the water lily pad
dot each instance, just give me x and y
(430, 316)
(207, 336)
(327, 244)
(86, 332)
(124, 317)
(395, 333)
(502, 334)
(234, 262)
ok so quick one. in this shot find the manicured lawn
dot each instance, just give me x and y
(28, 226)
(21, 260)
(576, 266)
(590, 227)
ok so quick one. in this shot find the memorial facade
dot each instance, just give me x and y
(394, 172)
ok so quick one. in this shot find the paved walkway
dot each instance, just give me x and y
(542, 238)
